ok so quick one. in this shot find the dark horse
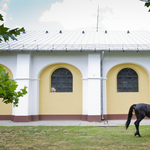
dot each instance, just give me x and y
(141, 110)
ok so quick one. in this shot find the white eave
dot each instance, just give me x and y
(79, 41)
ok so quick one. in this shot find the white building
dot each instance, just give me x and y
(75, 75)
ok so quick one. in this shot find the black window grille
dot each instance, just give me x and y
(127, 80)
(61, 80)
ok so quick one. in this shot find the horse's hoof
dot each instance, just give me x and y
(140, 136)
(137, 134)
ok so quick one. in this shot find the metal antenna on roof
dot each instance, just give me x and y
(97, 18)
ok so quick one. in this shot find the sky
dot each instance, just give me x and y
(75, 14)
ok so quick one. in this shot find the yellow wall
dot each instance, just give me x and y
(6, 109)
(51, 103)
(119, 102)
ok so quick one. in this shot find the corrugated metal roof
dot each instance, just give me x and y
(78, 41)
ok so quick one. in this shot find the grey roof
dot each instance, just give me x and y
(79, 41)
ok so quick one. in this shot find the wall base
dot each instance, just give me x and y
(21, 118)
(116, 116)
(92, 118)
(60, 117)
(89, 118)
(5, 117)
(119, 117)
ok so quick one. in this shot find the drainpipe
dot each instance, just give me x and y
(102, 85)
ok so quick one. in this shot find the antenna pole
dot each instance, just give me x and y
(97, 18)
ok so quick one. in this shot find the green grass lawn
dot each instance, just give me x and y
(73, 138)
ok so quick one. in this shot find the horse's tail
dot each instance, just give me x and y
(130, 116)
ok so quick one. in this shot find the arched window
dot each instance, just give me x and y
(61, 80)
(127, 80)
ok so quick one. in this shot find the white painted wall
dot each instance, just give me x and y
(94, 86)
(77, 59)
(26, 68)
(23, 79)
(9, 59)
(112, 59)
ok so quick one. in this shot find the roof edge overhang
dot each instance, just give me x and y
(81, 50)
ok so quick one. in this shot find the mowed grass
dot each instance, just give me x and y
(73, 138)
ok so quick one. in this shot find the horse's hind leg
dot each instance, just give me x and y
(137, 122)
(137, 128)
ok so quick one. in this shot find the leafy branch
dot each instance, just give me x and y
(147, 4)
(8, 88)
(6, 33)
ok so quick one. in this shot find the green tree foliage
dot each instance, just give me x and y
(147, 4)
(8, 88)
(6, 33)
